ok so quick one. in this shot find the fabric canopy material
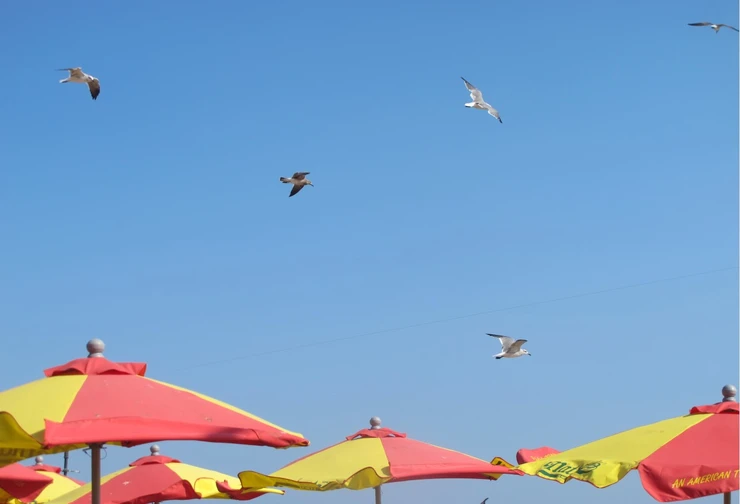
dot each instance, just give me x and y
(94, 400)
(60, 484)
(156, 478)
(686, 457)
(372, 457)
(21, 483)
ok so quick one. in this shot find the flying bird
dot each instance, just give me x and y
(478, 102)
(298, 180)
(714, 26)
(80, 77)
(510, 348)
(484, 500)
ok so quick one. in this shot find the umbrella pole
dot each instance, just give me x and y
(728, 394)
(375, 425)
(95, 472)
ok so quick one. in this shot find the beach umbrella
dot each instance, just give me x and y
(373, 457)
(59, 484)
(94, 401)
(681, 458)
(21, 483)
(156, 478)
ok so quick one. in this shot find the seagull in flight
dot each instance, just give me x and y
(478, 102)
(714, 26)
(484, 500)
(298, 180)
(509, 347)
(77, 75)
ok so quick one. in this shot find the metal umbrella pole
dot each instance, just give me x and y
(375, 424)
(728, 392)
(95, 348)
(154, 450)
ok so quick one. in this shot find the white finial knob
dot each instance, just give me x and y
(375, 422)
(154, 449)
(39, 460)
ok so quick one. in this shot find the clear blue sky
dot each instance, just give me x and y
(153, 218)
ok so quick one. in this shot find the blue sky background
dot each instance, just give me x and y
(153, 218)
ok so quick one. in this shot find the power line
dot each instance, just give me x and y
(460, 317)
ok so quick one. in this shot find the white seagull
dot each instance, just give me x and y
(714, 26)
(509, 347)
(77, 75)
(478, 102)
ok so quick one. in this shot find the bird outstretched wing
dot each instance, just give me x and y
(73, 72)
(94, 86)
(300, 175)
(475, 93)
(492, 111)
(517, 345)
(506, 342)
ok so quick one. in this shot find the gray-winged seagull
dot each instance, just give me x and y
(509, 347)
(298, 180)
(80, 77)
(714, 26)
(478, 102)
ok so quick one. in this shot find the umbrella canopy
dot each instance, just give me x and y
(526, 455)
(372, 457)
(156, 478)
(60, 484)
(680, 458)
(95, 401)
(21, 483)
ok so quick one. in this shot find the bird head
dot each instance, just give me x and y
(526, 352)
(308, 182)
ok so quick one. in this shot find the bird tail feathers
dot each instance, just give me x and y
(284, 180)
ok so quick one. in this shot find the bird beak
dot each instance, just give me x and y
(530, 355)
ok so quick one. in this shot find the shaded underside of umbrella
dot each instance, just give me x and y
(686, 457)
(156, 478)
(372, 457)
(60, 484)
(21, 483)
(94, 400)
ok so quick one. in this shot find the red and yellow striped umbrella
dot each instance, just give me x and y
(21, 483)
(372, 457)
(156, 478)
(94, 400)
(680, 458)
(60, 484)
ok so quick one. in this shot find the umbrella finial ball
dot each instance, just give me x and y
(95, 347)
(39, 459)
(154, 449)
(729, 392)
(375, 422)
